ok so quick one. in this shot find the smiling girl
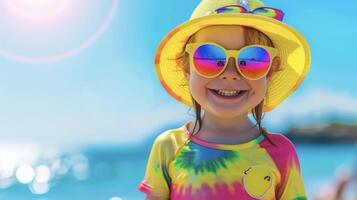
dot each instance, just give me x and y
(231, 60)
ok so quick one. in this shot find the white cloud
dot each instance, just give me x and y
(316, 105)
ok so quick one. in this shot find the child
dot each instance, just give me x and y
(230, 60)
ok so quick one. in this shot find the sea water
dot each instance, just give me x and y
(109, 174)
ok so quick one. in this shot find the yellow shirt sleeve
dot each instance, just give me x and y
(157, 181)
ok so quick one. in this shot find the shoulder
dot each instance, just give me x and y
(282, 143)
(283, 153)
(170, 139)
(281, 139)
(171, 136)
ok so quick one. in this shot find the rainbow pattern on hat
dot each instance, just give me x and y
(263, 11)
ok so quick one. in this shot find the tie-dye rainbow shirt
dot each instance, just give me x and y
(194, 169)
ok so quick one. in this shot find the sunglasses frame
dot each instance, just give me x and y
(192, 47)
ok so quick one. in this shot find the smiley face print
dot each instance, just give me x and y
(257, 180)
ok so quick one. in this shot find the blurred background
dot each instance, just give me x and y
(80, 103)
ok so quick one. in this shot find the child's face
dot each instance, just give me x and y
(230, 37)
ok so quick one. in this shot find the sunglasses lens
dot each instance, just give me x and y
(254, 62)
(209, 60)
(270, 12)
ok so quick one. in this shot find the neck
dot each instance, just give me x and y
(237, 127)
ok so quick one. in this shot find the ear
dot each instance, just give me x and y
(275, 67)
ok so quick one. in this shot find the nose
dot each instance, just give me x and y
(231, 71)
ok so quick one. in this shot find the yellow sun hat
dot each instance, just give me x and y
(293, 49)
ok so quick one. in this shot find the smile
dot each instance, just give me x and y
(235, 94)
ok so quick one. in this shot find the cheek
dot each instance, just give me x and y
(197, 86)
(259, 87)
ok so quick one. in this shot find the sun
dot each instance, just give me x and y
(37, 8)
(41, 13)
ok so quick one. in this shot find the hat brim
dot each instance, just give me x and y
(292, 47)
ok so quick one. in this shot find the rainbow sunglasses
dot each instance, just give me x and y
(264, 11)
(209, 59)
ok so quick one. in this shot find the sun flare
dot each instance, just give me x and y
(41, 12)
(37, 8)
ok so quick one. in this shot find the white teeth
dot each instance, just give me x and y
(228, 93)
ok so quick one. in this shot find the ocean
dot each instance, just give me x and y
(114, 174)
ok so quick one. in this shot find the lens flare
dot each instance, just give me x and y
(25, 174)
(42, 174)
(37, 8)
(39, 188)
(70, 53)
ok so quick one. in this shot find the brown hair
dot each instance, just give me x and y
(252, 36)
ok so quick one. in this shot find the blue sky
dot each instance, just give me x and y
(108, 92)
